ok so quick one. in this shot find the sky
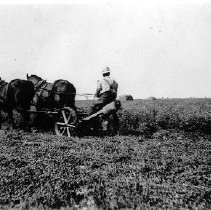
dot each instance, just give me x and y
(153, 48)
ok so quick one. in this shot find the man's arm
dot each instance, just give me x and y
(115, 86)
(99, 88)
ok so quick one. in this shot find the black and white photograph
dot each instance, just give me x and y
(105, 104)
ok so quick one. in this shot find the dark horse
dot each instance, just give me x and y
(51, 96)
(16, 94)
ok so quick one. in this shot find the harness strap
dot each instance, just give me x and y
(2, 85)
(55, 84)
(39, 91)
(39, 84)
(2, 99)
(5, 99)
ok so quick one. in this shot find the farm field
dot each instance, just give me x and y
(149, 116)
(165, 164)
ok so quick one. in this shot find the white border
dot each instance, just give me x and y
(136, 2)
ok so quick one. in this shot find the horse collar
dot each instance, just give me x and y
(39, 84)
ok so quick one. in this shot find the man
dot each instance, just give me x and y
(106, 90)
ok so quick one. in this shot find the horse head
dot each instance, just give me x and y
(34, 79)
(2, 82)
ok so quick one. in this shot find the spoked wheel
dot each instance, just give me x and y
(66, 122)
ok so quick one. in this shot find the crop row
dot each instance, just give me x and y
(170, 170)
(149, 116)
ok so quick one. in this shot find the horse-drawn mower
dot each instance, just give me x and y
(57, 101)
(104, 121)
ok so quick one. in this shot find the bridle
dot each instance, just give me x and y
(39, 84)
(39, 87)
(2, 83)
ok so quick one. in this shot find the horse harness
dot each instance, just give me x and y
(4, 99)
(2, 85)
(64, 92)
(40, 87)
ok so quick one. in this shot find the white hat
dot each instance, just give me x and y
(106, 70)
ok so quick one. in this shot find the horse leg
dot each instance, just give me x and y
(26, 118)
(0, 119)
(11, 123)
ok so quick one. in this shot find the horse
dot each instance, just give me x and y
(17, 94)
(51, 96)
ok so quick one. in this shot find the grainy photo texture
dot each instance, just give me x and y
(105, 105)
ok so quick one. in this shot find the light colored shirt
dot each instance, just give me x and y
(106, 84)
